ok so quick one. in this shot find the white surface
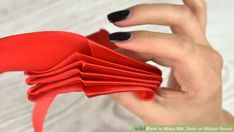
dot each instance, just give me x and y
(74, 112)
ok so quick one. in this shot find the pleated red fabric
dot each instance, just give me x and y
(58, 62)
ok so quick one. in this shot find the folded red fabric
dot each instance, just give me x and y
(59, 62)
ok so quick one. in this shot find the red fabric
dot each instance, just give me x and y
(59, 62)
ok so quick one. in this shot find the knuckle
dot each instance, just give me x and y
(184, 13)
(215, 73)
(149, 37)
(217, 58)
(202, 5)
(121, 99)
(116, 96)
(185, 45)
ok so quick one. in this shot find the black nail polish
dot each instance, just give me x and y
(118, 15)
(119, 36)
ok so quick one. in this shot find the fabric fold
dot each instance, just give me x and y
(58, 62)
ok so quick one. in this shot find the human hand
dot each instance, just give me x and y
(193, 94)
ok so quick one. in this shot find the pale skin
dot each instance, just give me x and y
(193, 94)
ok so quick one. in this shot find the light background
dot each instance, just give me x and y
(74, 112)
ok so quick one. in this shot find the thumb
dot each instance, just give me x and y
(142, 109)
(170, 93)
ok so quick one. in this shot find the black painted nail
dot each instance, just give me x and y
(118, 15)
(119, 36)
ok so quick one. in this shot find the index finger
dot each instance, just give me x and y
(175, 16)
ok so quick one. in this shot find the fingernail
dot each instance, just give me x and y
(120, 36)
(118, 15)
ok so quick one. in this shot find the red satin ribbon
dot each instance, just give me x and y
(59, 62)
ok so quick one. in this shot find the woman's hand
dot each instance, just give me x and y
(193, 95)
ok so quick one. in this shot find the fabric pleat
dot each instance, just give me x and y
(58, 62)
